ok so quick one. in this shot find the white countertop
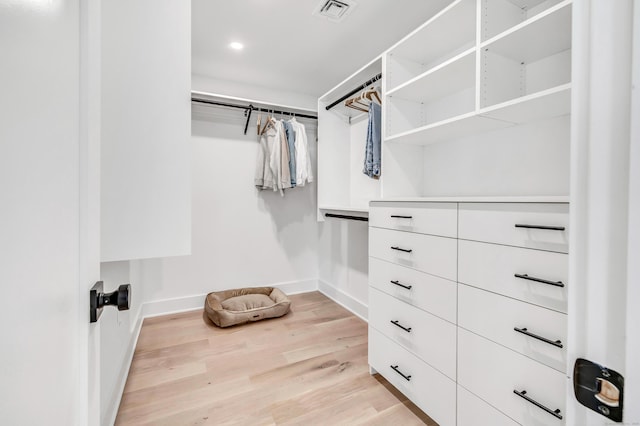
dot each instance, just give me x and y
(489, 199)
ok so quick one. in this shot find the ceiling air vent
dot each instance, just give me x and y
(334, 10)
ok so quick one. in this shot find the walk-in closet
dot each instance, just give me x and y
(320, 212)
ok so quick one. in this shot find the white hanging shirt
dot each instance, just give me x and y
(304, 174)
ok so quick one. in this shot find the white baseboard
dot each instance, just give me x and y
(191, 303)
(112, 410)
(343, 299)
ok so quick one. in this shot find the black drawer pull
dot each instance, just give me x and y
(549, 228)
(401, 249)
(395, 368)
(397, 216)
(523, 395)
(539, 280)
(397, 324)
(408, 287)
(556, 343)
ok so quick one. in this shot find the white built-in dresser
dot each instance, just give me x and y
(467, 306)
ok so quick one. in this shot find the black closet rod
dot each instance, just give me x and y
(248, 109)
(342, 216)
(253, 108)
(356, 90)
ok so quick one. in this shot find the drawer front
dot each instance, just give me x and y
(494, 268)
(515, 224)
(429, 389)
(430, 338)
(493, 373)
(428, 292)
(425, 218)
(434, 255)
(495, 317)
(472, 411)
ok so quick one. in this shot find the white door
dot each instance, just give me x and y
(49, 231)
(605, 199)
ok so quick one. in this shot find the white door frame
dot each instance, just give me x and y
(604, 200)
(89, 410)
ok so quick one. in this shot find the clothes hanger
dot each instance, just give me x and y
(353, 104)
(259, 122)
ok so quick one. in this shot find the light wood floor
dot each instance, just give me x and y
(308, 367)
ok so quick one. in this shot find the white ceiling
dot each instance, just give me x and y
(287, 48)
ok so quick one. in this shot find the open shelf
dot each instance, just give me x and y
(448, 33)
(544, 35)
(538, 106)
(530, 58)
(347, 209)
(342, 131)
(450, 77)
(549, 103)
(500, 15)
(452, 128)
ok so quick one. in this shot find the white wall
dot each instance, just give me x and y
(535, 157)
(146, 83)
(241, 236)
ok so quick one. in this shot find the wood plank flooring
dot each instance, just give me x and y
(308, 367)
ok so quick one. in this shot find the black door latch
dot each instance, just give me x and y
(599, 388)
(98, 299)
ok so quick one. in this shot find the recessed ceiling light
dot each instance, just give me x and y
(236, 45)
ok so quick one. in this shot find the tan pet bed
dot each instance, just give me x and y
(240, 306)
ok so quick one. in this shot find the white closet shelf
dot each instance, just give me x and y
(452, 128)
(453, 27)
(349, 209)
(207, 96)
(545, 34)
(548, 103)
(546, 199)
(456, 74)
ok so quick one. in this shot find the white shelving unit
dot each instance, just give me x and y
(508, 64)
(342, 186)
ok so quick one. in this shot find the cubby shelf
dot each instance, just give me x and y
(452, 128)
(449, 77)
(543, 35)
(448, 33)
(546, 104)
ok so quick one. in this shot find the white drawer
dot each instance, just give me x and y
(425, 218)
(494, 372)
(428, 337)
(494, 267)
(435, 255)
(495, 317)
(429, 389)
(515, 224)
(428, 292)
(472, 411)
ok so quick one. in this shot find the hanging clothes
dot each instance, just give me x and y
(284, 174)
(291, 141)
(283, 160)
(304, 174)
(264, 174)
(374, 142)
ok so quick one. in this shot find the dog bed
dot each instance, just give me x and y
(240, 306)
